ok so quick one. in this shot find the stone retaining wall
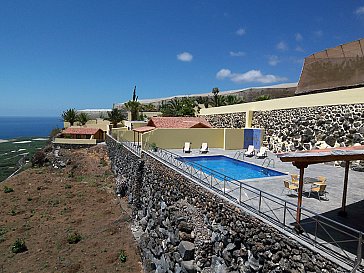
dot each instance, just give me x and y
(185, 228)
(232, 120)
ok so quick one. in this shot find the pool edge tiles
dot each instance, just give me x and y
(232, 168)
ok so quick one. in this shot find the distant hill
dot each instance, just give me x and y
(247, 94)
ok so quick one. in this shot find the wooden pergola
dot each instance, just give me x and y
(302, 159)
(141, 130)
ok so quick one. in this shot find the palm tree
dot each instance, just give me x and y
(263, 97)
(148, 107)
(70, 116)
(83, 118)
(134, 107)
(218, 100)
(115, 116)
(203, 100)
(231, 99)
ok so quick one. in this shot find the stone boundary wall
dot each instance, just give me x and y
(232, 120)
(304, 127)
(185, 228)
(312, 127)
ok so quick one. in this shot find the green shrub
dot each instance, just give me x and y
(74, 238)
(67, 186)
(8, 189)
(19, 246)
(122, 256)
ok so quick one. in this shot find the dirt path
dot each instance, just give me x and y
(49, 205)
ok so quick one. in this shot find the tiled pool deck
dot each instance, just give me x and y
(335, 178)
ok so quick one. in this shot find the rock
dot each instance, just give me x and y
(189, 266)
(186, 250)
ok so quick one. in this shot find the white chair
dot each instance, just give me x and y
(250, 151)
(204, 148)
(262, 152)
(187, 147)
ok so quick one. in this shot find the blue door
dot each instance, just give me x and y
(248, 138)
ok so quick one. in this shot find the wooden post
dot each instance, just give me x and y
(302, 167)
(300, 190)
(345, 190)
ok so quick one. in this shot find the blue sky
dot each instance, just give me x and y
(64, 54)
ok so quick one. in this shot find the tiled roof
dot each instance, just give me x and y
(143, 129)
(80, 131)
(179, 122)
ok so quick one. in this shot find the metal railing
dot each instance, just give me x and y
(269, 161)
(239, 154)
(134, 147)
(331, 237)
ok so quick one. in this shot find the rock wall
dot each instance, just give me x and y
(232, 120)
(312, 127)
(185, 228)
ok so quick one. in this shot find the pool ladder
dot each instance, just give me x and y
(269, 161)
(238, 154)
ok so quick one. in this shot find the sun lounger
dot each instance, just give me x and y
(250, 151)
(187, 147)
(204, 148)
(262, 152)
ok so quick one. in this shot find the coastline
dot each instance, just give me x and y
(4, 140)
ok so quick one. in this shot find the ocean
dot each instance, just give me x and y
(19, 127)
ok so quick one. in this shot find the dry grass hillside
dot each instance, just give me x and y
(69, 219)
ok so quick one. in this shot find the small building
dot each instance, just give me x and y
(84, 133)
(80, 137)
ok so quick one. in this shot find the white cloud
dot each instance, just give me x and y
(282, 46)
(223, 73)
(237, 53)
(298, 37)
(318, 33)
(250, 76)
(359, 11)
(185, 57)
(299, 49)
(273, 60)
(240, 32)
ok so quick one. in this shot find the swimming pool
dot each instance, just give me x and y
(230, 167)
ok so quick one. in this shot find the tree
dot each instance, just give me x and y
(70, 116)
(133, 106)
(178, 108)
(203, 100)
(232, 99)
(115, 116)
(217, 100)
(148, 107)
(83, 118)
(263, 97)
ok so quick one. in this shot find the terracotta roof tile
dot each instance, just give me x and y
(179, 122)
(80, 131)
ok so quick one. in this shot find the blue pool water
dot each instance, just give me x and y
(230, 167)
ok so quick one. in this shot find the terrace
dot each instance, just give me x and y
(321, 226)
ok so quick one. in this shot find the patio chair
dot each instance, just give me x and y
(187, 147)
(262, 152)
(322, 180)
(294, 178)
(289, 187)
(204, 148)
(319, 189)
(250, 151)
